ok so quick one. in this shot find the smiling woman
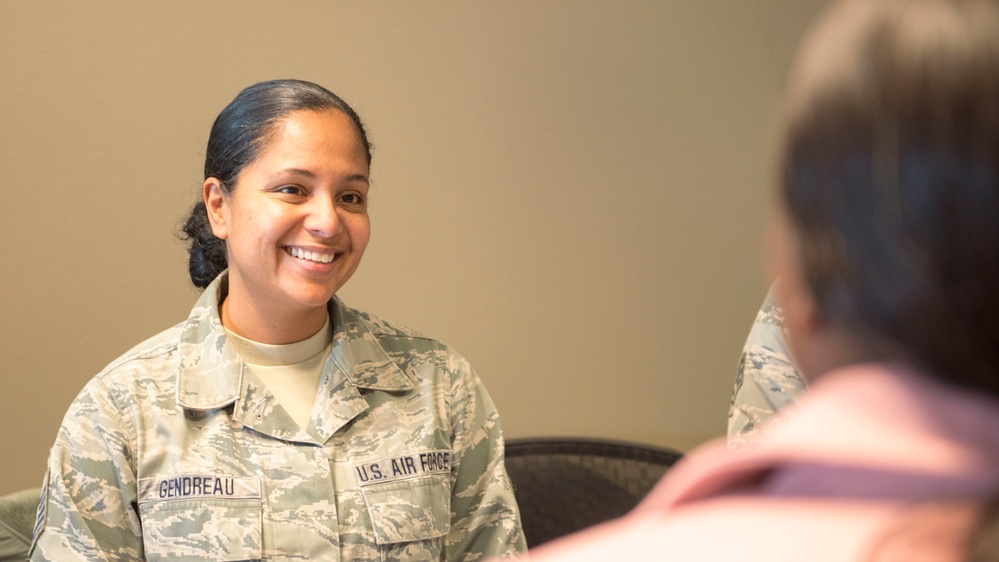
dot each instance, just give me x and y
(276, 422)
(296, 227)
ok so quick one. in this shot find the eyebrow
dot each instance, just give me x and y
(298, 171)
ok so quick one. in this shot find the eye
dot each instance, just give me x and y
(351, 199)
(290, 190)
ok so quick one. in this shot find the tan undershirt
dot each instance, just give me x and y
(291, 371)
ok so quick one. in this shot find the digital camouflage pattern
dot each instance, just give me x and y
(176, 452)
(767, 378)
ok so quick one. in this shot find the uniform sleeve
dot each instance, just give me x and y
(767, 378)
(88, 506)
(485, 521)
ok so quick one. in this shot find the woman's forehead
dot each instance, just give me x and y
(304, 139)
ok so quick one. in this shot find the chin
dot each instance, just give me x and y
(308, 300)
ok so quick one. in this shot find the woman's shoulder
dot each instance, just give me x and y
(136, 377)
(355, 321)
(398, 340)
(155, 350)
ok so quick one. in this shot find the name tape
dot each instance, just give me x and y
(198, 486)
(400, 468)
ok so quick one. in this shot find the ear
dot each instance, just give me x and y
(800, 308)
(217, 204)
(804, 325)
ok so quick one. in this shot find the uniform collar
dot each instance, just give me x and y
(358, 353)
(211, 374)
(210, 371)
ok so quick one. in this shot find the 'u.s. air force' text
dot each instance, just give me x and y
(406, 466)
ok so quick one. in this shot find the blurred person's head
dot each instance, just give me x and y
(889, 190)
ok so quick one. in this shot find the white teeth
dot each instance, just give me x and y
(311, 256)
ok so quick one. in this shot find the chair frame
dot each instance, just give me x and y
(586, 459)
(586, 446)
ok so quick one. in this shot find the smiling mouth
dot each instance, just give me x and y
(318, 257)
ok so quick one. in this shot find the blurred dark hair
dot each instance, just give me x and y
(239, 133)
(890, 178)
(983, 545)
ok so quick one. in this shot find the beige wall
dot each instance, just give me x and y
(571, 193)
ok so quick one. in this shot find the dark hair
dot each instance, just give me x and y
(238, 134)
(983, 545)
(890, 178)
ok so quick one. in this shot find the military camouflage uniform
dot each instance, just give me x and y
(767, 378)
(175, 451)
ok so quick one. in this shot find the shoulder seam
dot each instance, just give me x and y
(161, 349)
(378, 326)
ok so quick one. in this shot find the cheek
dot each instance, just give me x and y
(360, 232)
(264, 225)
(255, 234)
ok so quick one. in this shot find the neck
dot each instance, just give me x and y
(265, 326)
(826, 350)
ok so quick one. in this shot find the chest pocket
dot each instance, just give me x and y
(410, 517)
(202, 528)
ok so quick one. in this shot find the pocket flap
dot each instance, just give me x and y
(409, 510)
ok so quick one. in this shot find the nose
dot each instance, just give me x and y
(323, 219)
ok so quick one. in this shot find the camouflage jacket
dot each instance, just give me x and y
(767, 378)
(176, 452)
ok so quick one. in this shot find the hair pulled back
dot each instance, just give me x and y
(890, 178)
(238, 135)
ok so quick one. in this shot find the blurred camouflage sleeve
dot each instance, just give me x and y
(485, 521)
(767, 378)
(87, 510)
